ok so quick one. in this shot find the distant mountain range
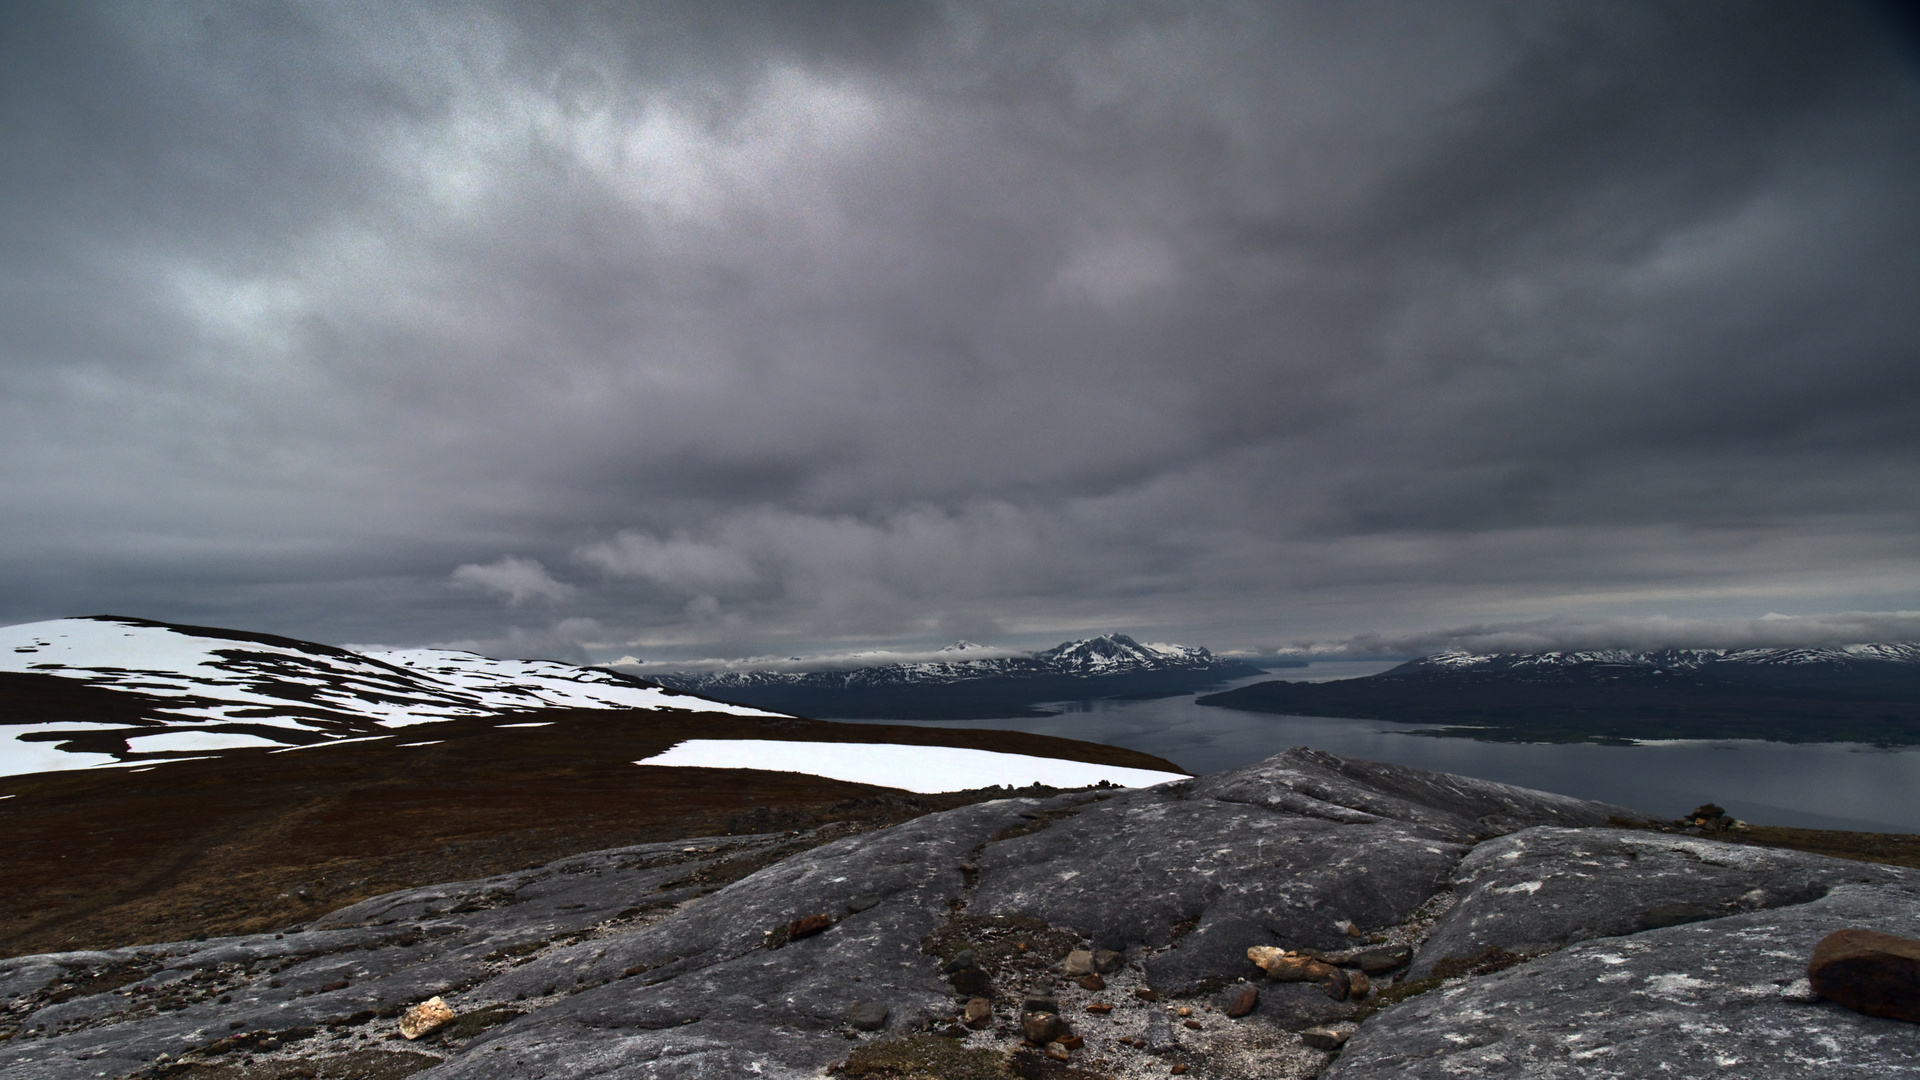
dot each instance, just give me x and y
(1858, 693)
(1110, 666)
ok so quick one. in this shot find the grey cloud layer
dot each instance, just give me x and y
(770, 327)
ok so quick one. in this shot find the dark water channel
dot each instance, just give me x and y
(1811, 785)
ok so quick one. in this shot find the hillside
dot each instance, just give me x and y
(1863, 693)
(1433, 926)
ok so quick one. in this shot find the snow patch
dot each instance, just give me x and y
(922, 769)
(195, 740)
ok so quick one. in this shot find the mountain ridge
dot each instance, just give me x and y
(1107, 666)
(1859, 693)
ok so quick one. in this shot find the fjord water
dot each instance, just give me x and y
(1808, 785)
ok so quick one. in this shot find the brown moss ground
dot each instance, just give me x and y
(1894, 849)
(106, 857)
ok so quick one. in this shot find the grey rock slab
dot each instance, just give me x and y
(713, 1000)
(1707, 999)
(393, 951)
(1138, 865)
(1313, 783)
(1542, 888)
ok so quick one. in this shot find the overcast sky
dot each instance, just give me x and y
(725, 329)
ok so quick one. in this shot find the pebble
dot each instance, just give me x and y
(1329, 1037)
(1108, 961)
(1243, 1002)
(1079, 962)
(979, 1013)
(1058, 1052)
(961, 959)
(1092, 982)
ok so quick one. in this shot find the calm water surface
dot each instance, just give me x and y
(1817, 785)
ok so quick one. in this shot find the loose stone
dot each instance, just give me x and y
(1079, 962)
(867, 1015)
(1328, 1037)
(807, 926)
(971, 982)
(1040, 1028)
(1040, 1003)
(1283, 966)
(1243, 1002)
(1092, 982)
(979, 1013)
(1108, 961)
(1375, 961)
(425, 1018)
(1868, 972)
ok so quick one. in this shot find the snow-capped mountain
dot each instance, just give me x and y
(1113, 665)
(129, 689)
(1111, 654)
(1865, 693)
(1845, 657)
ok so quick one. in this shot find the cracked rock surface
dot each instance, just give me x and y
(1542, 888)
(1708, 999)
(753, 955)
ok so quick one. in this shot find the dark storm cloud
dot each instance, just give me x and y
(776, 327)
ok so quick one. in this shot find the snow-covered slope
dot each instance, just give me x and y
(184, 688)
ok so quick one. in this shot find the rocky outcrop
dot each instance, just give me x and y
(1118, 921)
(1715, 998)
(1537, 890)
